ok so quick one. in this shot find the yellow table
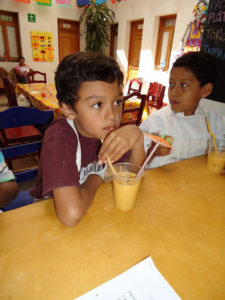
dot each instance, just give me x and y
(34, 92)
(179, 220)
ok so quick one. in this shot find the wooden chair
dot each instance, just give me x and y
(6, 73)
(132, 111)
(13, 77)
(40, 77)
(155, 95)
(18, 130)
(135, 85)
(10, 90)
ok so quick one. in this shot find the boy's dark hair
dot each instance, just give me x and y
(201, 64)
(82, 67)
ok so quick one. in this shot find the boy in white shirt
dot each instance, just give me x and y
(191, 78)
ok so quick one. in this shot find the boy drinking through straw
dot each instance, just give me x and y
(72, 165)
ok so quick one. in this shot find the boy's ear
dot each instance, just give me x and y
(67, 111)
(206, 89)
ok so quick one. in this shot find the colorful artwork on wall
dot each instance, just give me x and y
(44, 2)
(42, 46)
(194, 39)
(24, 1)
(64, 2)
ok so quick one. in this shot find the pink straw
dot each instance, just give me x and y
(148, 158)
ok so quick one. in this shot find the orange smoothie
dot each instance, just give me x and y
(216, 162)
(125, 189)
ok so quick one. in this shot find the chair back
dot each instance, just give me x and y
(132, 112)
(10, 90)
(23, 116)
(36, 77)
(155, 95)
(13, 77)
(135, 85)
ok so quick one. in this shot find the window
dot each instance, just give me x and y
(10, 49)
(164, 42)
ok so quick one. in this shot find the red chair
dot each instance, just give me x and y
(155, 95)
(135, 85)
(36, 77)
(132, 111)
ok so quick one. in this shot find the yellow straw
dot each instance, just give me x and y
(110, 164)
(211, 133)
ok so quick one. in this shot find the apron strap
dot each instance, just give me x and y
(78, 155)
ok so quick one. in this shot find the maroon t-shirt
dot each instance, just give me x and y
(57, 167)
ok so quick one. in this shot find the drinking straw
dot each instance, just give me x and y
(211, 133)
(110, 164)
(148, 158)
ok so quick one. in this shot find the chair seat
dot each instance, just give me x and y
(23, 198)
(132, 103)
(23, 132)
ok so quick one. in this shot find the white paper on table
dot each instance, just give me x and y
(141, 282)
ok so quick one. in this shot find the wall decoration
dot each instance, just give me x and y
(31, 18)
(200, 12)
(82, 3)
(193, 40)
(42, 46)
(44, 2)
(64, 2)
(100, 2)
(24, 1)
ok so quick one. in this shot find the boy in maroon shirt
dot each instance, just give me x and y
(72, 165)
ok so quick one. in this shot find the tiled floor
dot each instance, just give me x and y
(24, 163)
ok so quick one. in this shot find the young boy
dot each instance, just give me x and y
(191, 78)
(72, 165)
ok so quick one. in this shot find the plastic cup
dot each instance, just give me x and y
(126, 185)
(216, 159)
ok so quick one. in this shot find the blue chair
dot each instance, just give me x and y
(22, 199)
(22, 116)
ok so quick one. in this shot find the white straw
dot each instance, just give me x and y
(148, 158)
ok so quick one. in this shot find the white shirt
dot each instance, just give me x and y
(190, 133)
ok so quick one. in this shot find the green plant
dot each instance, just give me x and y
(96, 20)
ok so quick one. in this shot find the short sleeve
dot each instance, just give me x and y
(5, 173)
(58, 160)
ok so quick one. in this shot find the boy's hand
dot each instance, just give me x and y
(120, 141)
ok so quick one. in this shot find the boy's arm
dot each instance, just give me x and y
(120, 141)
(71, 202)
(8, 191)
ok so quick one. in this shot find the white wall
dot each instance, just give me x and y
(46, 20)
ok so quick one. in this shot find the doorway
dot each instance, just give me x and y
(113, 40)
(68, 37)
(136, 31)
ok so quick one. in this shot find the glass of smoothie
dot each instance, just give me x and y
(126, 185)
(216, 156)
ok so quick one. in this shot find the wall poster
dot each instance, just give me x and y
(42, 46)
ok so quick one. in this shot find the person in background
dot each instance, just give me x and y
(22, 70)
(73, 160)
(8, 186)
(191, 78)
